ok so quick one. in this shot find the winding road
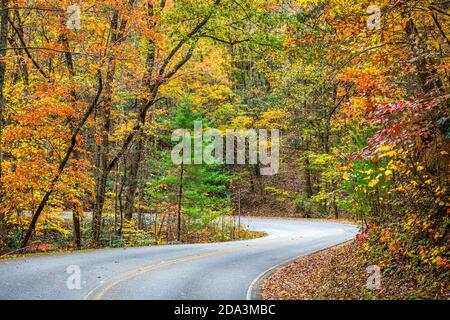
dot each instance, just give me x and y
(223, 271)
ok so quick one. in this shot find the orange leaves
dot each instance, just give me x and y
(290, 42)
(37, 134)
(394, 247)
(442, 262)
(386, 235)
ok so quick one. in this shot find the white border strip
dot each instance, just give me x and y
(251, 291)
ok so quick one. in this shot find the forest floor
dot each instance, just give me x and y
(339, 273)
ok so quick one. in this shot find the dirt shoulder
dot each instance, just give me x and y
(340, 273)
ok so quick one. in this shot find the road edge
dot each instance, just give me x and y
(254, 290)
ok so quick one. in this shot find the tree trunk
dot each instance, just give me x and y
(140, 141)
(76, 217)
(180, 199)
(103, 148)
(122, 185)
(307, 177)
(133, 177)
(326, 134)
(100, 191)
(141, 212)
(239, 213)
(335, 208)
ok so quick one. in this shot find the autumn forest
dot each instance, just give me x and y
(92, 91)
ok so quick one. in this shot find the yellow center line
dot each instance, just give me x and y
(134, 273)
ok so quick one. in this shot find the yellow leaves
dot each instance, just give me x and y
(420, 168)
(281, 195)
(392, 165)
(373, 182)
(241, 122)
(332, 15)
(273, 119)
(390, 154)
(439, 190)
(402, 188)
(388, 151)
(439, 202)
(438, 234)
(121, 130)
(269, 120)
(383, 264)
(346, 174)
(385, 148)
(410, 222)
(388, 174)
(433, 256)
(357, 106)
(224, 111)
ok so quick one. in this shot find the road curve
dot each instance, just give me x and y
(220, 271)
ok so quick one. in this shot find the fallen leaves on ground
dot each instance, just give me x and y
(340, 273)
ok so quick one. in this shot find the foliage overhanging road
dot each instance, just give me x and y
(199, 271)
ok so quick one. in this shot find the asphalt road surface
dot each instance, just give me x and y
(224, 271)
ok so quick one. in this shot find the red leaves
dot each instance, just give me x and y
(399, 122)
(362, 236)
